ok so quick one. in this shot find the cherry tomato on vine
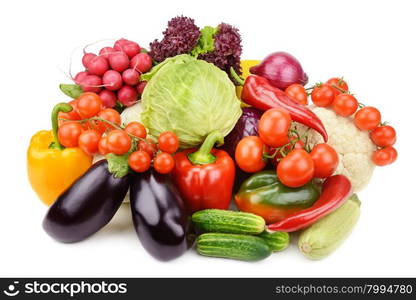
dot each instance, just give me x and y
(118, 142)
(274, 127)
(325, 160)
(345, 105)
(103, 146)
(393, 153)
(88, 141)
(323, 95)
(337, 84)
(68, 134)
(139, 161)
(295, 169)
(298, 93)
(383, 136)
(148, 146)
(385, 156)
(110, 115)
(298, 144)
(163, 163)
(94, 125)
(72, 115)
(249, 154)
(168, 142)
(137, 129)
(88, 105)
(367, 118)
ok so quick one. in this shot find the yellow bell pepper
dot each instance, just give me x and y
(51, 168)
(245, 69)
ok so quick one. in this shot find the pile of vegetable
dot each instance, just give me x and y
(187, 128)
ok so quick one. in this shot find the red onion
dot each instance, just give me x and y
(281, 69)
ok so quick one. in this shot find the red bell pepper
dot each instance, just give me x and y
(205, 177)
(335, 191)
(258, 92)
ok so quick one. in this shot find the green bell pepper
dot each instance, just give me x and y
(264, 195)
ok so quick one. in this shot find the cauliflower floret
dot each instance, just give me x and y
(354, 146)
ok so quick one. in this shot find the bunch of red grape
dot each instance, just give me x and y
(114, 73)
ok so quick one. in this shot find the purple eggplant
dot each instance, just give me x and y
(247, 125)
(87, 205)
(159, 215)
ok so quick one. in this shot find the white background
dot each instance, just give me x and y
(370, 43)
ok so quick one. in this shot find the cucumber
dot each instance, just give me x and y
(234, 246)
(277, 241)
(326, 235)
(227, 221)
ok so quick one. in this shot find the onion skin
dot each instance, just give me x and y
(281, 69)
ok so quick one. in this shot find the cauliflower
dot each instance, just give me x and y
(354, 146)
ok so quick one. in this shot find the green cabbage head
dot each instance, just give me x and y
(190, 97)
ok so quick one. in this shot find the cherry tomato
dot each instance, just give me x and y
(168, 142)
(163, 163)
(110, 115)
(393, 153)
(249, 154)
(103, 146)
(118, 142)
(68, 134)
(148, 146)
(298, 93)
(345, 105)
(337, 84)
(325, 160)
(274, 126)
(295, 169)
(385, 156)
(299, 144)
(72, 115)
(367, 118)
(88, 141)
(88, 105)
(137, 129)
(94, 125)
(323, 95)
(383, 136)
(139, 161)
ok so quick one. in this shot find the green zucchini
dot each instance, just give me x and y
(327, 234)
(234, 246)
(227, 221)
(277, 241)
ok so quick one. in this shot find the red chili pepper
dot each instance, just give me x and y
(258, 92)
(205, 177)
(335, 191)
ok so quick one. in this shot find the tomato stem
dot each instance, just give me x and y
(340, 89)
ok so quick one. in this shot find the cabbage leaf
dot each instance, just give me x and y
(190, 97)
